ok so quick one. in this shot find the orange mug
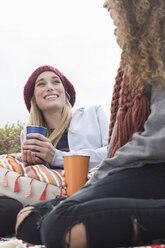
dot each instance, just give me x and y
(76, 171)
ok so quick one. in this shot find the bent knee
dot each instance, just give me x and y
(76, 237)
(22, 215)
(28, 225)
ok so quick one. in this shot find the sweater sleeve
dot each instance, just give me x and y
(96, 154)
(22, 138)
(145, 147)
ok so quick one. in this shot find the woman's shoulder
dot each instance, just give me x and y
(91, 113)
(93, 108)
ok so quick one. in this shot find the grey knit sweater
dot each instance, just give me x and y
(145, 147)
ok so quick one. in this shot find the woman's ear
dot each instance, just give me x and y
(67, 96)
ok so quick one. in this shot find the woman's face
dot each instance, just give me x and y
(108, 4)
(49, 92)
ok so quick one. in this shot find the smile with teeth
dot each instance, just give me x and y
(50, 96)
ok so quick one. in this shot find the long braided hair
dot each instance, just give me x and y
(140, 32)
(130, 109)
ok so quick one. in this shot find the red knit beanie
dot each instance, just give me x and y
(29, 86)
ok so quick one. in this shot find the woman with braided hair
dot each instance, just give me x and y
(123, 203)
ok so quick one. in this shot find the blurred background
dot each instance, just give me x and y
(74, 36)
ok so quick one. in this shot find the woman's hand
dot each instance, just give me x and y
(44, 149)
(29, 158)
(18, 156)
(90, 174)
(64, 185)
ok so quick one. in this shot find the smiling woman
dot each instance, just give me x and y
(48, 111)
(49, 97)
(49, 93)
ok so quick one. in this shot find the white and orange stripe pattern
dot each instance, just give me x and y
(39, 171)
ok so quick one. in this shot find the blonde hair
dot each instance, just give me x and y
(141, 35)
(36, 119)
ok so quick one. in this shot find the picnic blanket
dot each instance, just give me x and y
(12, 242)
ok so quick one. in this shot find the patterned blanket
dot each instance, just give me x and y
(152, 246)
(28, 184)
(12, 242)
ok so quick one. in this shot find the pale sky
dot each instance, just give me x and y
(72, 35)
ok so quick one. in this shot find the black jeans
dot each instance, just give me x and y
(9, 209)
(122, 209)
(29, 229)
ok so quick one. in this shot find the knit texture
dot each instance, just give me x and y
(130, 108)
(29, 86)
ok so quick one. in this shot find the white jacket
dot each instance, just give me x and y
(87, 135)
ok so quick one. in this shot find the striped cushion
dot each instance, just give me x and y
(39, 171)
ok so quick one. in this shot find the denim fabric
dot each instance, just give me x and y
(29, 229)
(110, 208)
